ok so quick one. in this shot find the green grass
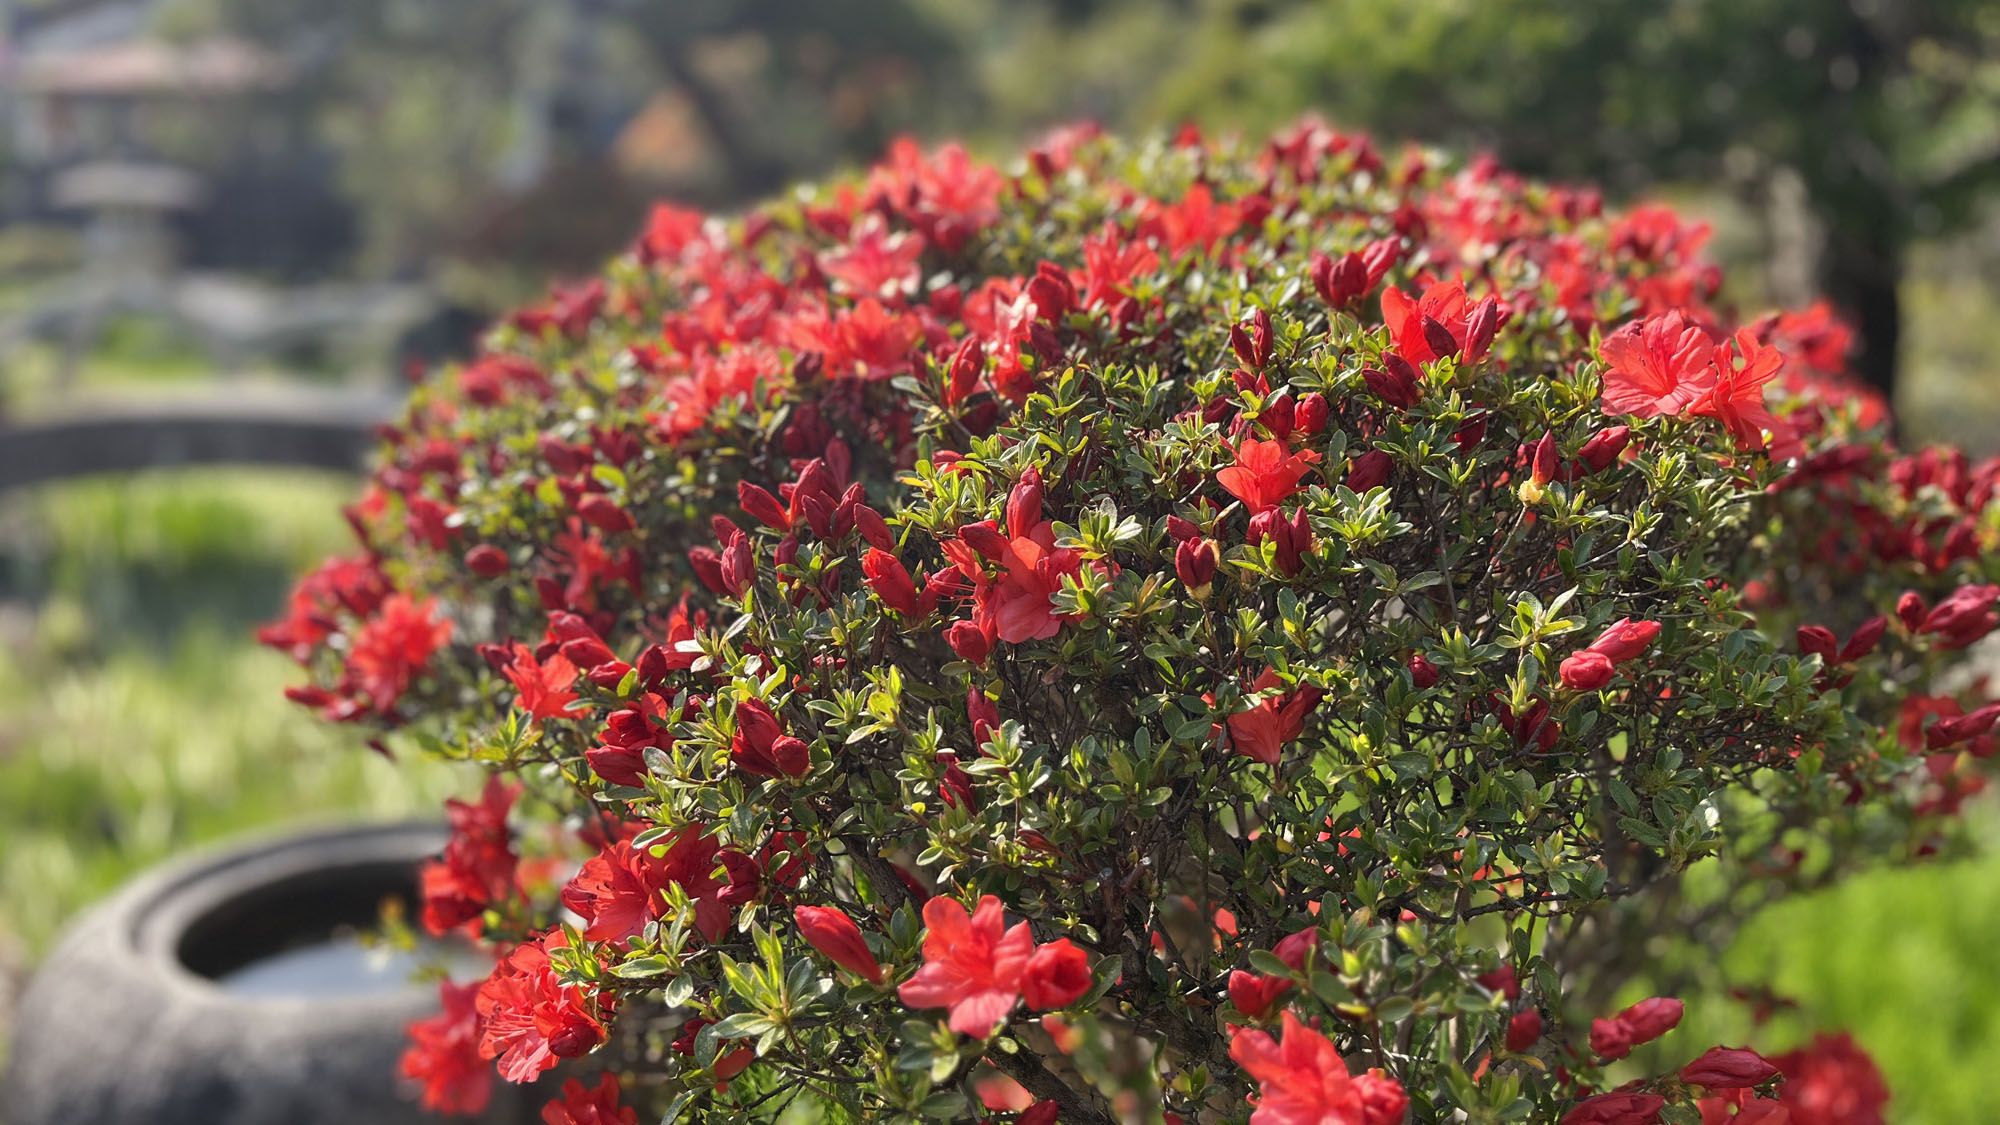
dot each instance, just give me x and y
(1906, 960)
(137, 716)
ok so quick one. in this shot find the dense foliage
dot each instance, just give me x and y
(1228, 632)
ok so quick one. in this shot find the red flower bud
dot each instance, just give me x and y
(1024, 504)
(1818, 640)
(969, 641)
(1056, 976)
(870, 524)
(1604, 448)
(1397, 385)
(985, 538)
(891, 582)
(834, 934)
(1278, 416)
(1041, 1113)
(1480, 326)
(1543, 460)
(487, 561)
(1864, 640)
(1641, 1023)
(1959, 728)
(1586, 671)
(1910, 610)
(1624, 639)
(962, 373)
(1339, 281)
(1251, 340)
(1438, 338)
(1195, 562)
(602, 512)
(1253, 994)
(1728, 1068)
(1524, 1030)
(1471, 432)
(587, 652)
(1422, 672)
(739, 566)
(1502, 980)
(1309, 417)
(1368, 470)
(1181, 530)
(707, 566)
(762, 506)
(1293, 948)
(1616, 1109)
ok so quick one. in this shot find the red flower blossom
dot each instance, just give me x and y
(1253, 994)
(972, 964)
(1831, 1081)
(1056, 976)
(393, 646)
(1442, 304)
(595, 1105)
(532, 1018)
(478, 864)
(543, 689)
(1265, 473)
(1302, 1080)
(1736, 396)
(443, 1055)
(619, 889)
(1655, 366)
(1261, 731)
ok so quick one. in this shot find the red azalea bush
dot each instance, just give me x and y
(1180, 630)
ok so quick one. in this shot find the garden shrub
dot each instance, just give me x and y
(1184, 629)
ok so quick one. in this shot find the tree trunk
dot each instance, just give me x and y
(1861, 272)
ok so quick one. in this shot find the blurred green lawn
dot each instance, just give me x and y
(137, 718)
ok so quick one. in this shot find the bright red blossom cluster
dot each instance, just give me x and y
(1179, 552)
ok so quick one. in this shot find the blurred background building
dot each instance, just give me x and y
(274, 194)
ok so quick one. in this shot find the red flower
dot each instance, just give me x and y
(1302, 1080)
(761, 746)
(1443, 304)
(886, 575)
(597, 1105)
(1832, 1081)
(1017, 606)
(833, 933)
(443, 1055)
(1586, 670)
(1655, 366)
(532, 1018)
(477, 868)
(1253, 994)
(544, 689)
(1641, 1023)
(1262, 730)
(1729, 1068)
(1616, 1109)
(973, 964)
(393, 646)
(1736, 396)
(1265, 473)
(618, 890)
(1524, 1030)
(1056, 976)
